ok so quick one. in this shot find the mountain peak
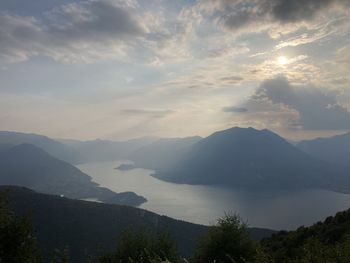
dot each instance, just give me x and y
(240, 132)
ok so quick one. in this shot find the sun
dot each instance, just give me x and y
(282, 60)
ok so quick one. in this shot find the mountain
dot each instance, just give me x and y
(87, 227)
(162, 153)
(254, 159)
(29, 166)
(106, 150)
(334, 149)
(145, 152)
(53, 147)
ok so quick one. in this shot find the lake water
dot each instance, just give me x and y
(204, 204)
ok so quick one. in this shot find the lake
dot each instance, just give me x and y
(204, 204)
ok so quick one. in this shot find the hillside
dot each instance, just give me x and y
(333, 231)
(29, 166)
(334, 149)
(254, 159)
(85, 227)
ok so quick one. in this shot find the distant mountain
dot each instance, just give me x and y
(53, 147)
(145, 152)
(87, 227)
(254, 159)
(106, 150)
(334, 149)
(162, 153)
(29, 166)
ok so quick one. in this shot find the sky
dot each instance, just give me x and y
(120, 69)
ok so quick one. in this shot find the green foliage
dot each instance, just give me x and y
(18, 243)
(143, 247)
(228, 241)
(327, 242)
(61, 256)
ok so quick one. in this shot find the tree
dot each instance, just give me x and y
(18, 243)
(61, 256)
(228, 241)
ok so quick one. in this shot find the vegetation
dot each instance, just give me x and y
(228, 241)
(143, 246)
(323, 242)
(86, 228)
(18, 243)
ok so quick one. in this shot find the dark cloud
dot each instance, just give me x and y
(236, 20)
(17, 37)
(79, 30)
(95, 19)
(317, 109)
(234, 109)
(30, 8)
(296, 10)
(234, 15)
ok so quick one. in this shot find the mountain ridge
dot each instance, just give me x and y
(335, 149)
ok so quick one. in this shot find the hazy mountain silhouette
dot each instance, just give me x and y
(106, 150)
(29, 166)
(148, 152)
(162, 153)
(334, 149)
(86, 227)
(53, 147)
(250, 158)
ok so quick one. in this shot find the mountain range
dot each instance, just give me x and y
(253, 159)
(334, 149)
(105, 150)
(236, 157)
(53, 147)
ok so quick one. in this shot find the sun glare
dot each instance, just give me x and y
(282, 60)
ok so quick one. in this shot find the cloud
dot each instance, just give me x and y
(96, 19)
(292, 11)
(148, 113)
(235, 109)
(82, 31)
(17, 37)
(252, 15)
(317, 109)
(231, 80)
(236, 20)
(328, 29)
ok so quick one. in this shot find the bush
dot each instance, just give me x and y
(143, 246)
(228, 241)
